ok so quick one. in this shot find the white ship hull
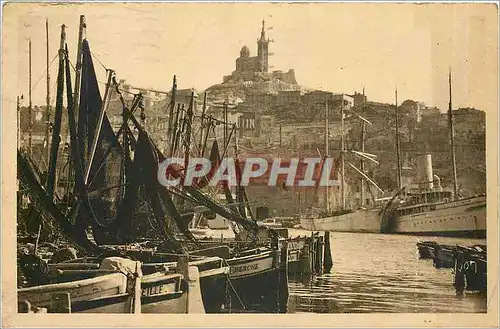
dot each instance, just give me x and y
(358, 221)
(465, 217)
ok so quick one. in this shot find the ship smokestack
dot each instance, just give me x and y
(425, 176)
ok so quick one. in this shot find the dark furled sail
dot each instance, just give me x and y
(104, 180)
(148, 156)
(147, 160)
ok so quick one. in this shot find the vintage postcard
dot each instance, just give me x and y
(329, 164)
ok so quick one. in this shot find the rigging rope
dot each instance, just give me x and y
(45, 73)
(94, 56)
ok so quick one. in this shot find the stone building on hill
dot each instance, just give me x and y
(253, 68)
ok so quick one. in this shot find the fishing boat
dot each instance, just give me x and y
(426, 249)
(115, 173)
(271, 223)
(165, 283)
(431, 209)
(94, 292)
(471, 269)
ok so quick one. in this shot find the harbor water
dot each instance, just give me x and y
(379, 273)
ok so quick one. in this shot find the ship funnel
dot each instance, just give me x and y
(424, 171)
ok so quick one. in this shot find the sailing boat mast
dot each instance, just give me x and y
(327, 189)
(104, 107)
(18, 107)
(362, 162)
(78, 80)
(30, 121)
(47, 105)
(342, 147)
(172, 106)
(56, 139)
(452, 140)
(202, 122)
(398, 149)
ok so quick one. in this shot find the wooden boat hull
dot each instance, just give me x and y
(471, 269)
(363, 221)
(213, 274)
(426, 249)
(103, 294)
(444, 256)
(257, 281)
(164, 293)
(214, 289)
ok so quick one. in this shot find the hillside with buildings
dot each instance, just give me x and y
(274, 115)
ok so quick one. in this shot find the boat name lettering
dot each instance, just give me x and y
(154, 290)
(244, 268)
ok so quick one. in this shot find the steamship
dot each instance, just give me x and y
(433, 210)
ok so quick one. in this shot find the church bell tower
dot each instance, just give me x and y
(263, 49)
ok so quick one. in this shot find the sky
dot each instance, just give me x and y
(340, 47)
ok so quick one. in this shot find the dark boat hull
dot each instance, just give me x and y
(258, 282)
(214, 291)
(258, 293)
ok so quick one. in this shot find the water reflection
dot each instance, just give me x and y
(382, 273)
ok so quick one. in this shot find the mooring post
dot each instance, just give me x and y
(319, 255)
(306, 260)
(283, 279)
(183, 268)
(328, 262)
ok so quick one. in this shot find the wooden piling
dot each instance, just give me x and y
(283, 279)
(319, 255)
(328, 262)
(305, 260)
(183, 268)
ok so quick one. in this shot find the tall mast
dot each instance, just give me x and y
(18, 106)
(362, 162)
(30, 115)
(327, 189)
(172, 106)
(56, 139)
(187, 138)
(280, 136)
(104, 107)
(47, 105)
(202, 122)
(452, 140)
(342, 147)
(78, 80)
(398, 149)
(225, 124)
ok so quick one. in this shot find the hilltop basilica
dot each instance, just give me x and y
(254, 68)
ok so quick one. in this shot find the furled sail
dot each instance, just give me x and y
(104, 181)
